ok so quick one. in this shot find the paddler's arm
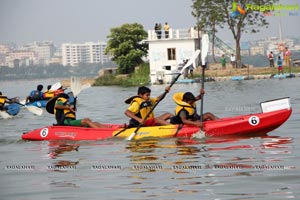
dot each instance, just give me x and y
(62, 107)
(130, 114)
(200, 95)
(167, 89)
(184, 120)
(195, 123)
(8, 100)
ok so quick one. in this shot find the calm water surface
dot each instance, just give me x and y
(265, 167)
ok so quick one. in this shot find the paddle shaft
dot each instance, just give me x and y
(162, 97)
(204, 49)
(20, 104)
(202, 95)
(75, 103)
(120, 131)
(165, 93)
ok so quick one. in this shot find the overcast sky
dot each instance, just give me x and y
(25, 21)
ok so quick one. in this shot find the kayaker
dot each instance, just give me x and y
(59, 91)
(186, 112)
(140, 106)
(3, 100)
(35, 95)
(65, 114)
(48, 94)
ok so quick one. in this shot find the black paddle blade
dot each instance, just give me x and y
(50, 105)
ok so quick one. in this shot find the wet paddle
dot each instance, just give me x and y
(190, 62)
(76, 87)
(204, 49)
(33, 109)
(55, 86)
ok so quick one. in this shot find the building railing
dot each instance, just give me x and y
(190, 33)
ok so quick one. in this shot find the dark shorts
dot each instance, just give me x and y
(72, 122)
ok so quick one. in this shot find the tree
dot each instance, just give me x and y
(126, 46)
(207, 20)
(250, 21)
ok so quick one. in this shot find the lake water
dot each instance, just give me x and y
(264, 167)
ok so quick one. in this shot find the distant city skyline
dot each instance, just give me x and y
(80, 21)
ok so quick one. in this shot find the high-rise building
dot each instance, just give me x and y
(44, 50)
(20, 57)
(86, 53)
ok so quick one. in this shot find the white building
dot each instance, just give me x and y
(166, 54)
(258, 50)
(44, 51)
(89, 52)
(20, 57)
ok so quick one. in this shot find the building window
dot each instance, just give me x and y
(171, 54)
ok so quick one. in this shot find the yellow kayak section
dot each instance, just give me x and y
(165, 131)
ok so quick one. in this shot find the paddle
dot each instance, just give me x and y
(195, 55)
(33, 109)
(55, 86)
(76, 87)
(204, 48)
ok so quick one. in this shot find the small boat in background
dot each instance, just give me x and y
(10, 111)
(43, 103)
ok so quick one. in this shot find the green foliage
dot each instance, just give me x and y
(140, 77)
(218, 13)
(126, 46)
(207, 18)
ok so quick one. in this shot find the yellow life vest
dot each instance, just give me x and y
(48, 94)
(61, 115)
(144, 107)
(181, 105)
(2, 99)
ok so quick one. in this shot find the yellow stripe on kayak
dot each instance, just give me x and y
(150, 131)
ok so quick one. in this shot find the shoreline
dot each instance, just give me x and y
(228, 74)
(257, 77)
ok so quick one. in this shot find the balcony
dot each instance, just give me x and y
(174, 34)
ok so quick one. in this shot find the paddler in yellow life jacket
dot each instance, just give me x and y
(48, 94)
(186, 112)
(140, 106)
(65, 114)
(3, 100)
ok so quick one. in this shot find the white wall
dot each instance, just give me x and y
(158, 54)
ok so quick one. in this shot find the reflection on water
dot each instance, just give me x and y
(205, 168)
(59, 147)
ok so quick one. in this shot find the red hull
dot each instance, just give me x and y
(70, 133)
(259, 123)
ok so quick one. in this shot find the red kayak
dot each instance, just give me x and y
(260, 123)
(274, 114)
(82, 133)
